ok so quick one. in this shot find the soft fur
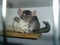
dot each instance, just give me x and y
(28, 22)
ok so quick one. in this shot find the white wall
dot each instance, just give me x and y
(43, 14)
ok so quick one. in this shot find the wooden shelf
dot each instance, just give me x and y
(21, 35)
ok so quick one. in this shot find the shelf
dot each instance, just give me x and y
(21, 35)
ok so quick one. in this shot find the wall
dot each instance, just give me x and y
(43, 14)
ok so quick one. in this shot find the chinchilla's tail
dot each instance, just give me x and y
(46, 28)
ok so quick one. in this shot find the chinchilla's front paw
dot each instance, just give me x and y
(27, 31)
(16, 19)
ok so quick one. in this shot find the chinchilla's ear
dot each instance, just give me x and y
(20, 11)
(34, 13)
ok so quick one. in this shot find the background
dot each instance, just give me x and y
(44, 13)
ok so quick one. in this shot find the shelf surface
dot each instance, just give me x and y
(21, 35)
